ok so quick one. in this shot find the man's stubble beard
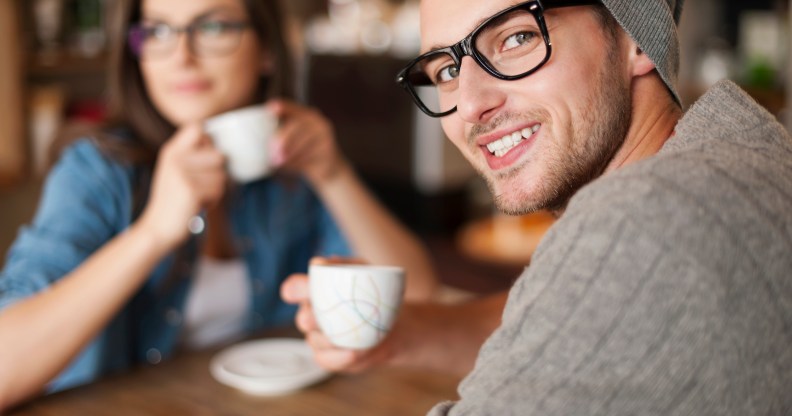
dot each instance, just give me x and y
(596, 137)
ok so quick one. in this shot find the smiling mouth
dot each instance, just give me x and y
(502, 146)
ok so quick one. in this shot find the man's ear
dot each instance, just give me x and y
(640, 64)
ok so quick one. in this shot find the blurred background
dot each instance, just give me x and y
(52, 69)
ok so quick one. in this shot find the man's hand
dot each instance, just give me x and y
(426, 335)
(295, 290)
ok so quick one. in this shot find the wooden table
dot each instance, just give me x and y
(183, 386)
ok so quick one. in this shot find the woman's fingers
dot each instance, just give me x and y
(190, 172)
(204, 160)
(291, 139)
(208, 187)
(305, 142)
(284, 108)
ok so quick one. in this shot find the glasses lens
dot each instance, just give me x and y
(152, 41)
(217, 37)
(512, 44)
(434, 80)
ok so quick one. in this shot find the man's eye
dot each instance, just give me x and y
(518, 39)
(447, 73)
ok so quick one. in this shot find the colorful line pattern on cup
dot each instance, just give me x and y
(361, 310)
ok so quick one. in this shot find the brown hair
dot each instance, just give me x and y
(607, 21)
(129, 106)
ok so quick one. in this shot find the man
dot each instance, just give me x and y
(664, 288)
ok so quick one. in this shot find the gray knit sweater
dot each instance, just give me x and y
(665, 288)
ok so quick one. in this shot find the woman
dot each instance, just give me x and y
(109, 275)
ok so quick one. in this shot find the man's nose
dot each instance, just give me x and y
(478, 97)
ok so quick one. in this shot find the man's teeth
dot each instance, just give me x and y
(502, 146)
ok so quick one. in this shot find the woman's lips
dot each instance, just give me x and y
(191, 87)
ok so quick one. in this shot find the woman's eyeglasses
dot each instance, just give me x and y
(205, 38)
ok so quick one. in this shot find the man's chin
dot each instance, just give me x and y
(514, 200)
(524, 194)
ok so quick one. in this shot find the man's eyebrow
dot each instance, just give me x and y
(433, 48)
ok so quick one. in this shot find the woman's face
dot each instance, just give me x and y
(218, 70)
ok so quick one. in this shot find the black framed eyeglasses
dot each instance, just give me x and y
(510, 45)
(206, 37)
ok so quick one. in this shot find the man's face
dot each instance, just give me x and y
(572, 114)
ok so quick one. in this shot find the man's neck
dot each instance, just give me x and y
(653, 119)
(654, 116)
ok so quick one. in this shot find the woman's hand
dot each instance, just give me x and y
(305, 142)
(189, 175)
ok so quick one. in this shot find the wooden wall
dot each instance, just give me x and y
(12, 107)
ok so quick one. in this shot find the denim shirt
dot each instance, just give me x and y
(87, 200)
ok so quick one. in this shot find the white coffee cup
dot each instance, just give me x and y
(355, 305)
(243, 136)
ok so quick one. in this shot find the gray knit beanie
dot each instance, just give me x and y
(652, 24)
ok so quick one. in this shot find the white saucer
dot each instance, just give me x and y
(267, 367)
